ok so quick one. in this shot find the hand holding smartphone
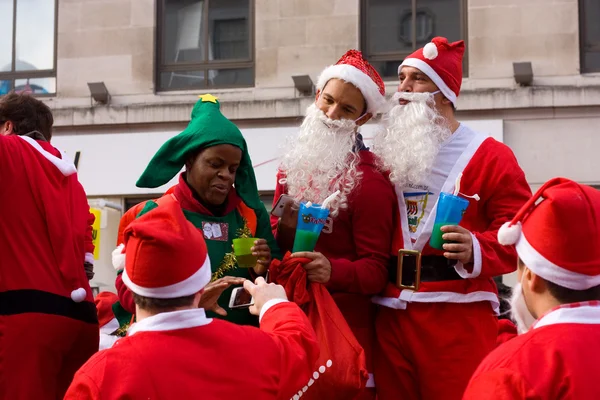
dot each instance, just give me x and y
(241, 298)
(277, 210)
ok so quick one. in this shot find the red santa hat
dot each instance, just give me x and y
(354, 69)
(106, 318)
(442, 63)
(557, 234)
(165, 255)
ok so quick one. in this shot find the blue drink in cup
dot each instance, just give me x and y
(450, 210)
(310, 223)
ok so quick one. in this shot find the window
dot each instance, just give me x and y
(392, 29)
(589, 31)
(205, 44)
(28, 46)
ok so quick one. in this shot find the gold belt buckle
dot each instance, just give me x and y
(413, 253)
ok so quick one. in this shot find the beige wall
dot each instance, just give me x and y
(113, 41)
(105, 40)
(299, 37)
(544, 32)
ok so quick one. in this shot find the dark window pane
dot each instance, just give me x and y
(590, 46)
(6, 35)
(231, 77)
(384, 26)
(35, 35)
(229, 30)
(5, 86)
(387, 69)
(181, 80)
(438, 18)
(36, 85)
(182, 31)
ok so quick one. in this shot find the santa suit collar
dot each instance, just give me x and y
(170, 321)
(575, 313)
(64, 165)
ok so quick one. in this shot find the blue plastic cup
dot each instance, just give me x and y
(310, 224)
(450, 210)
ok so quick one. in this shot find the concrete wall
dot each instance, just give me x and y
(105, 40)
(545, 32)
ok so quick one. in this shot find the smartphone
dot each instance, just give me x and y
(240, 298)
(277, 210)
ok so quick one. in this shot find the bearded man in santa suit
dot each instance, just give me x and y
(556, 303)
(437, 319)
(328, 154)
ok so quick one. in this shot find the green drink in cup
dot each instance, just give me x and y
(311, 219)
(450, 209)
(242, 248)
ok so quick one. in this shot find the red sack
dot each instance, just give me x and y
(341, 371)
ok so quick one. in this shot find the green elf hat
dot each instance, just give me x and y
(207, 128)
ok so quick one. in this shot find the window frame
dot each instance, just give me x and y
(205, 66)
(582, 37)
(13, 75)
(391, 56)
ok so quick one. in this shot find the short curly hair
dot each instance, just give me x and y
(27, 114)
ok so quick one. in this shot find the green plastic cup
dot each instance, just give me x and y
(242, 248)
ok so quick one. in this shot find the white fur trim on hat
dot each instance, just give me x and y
(369, 89)
(430, 72)
(545, 268)
(78, 295)
(110, 326)
(118, 258)
(430, 51)
(187, 287)
(509, 234)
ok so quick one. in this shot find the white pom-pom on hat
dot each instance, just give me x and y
(430, 51)
(118, 257)
(78, 295)
(509, 234)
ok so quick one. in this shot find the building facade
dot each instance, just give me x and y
(155, 57)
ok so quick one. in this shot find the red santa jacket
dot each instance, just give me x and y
(184, 355)
(45, 232)
(357, 243)
(557, 359)
(490, 170)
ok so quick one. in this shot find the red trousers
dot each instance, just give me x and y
(40, 353)
(430, 350)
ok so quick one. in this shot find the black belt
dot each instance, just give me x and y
(433, 269)
(36, 301)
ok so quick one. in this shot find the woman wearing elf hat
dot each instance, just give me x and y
(218, 194)
(556, 303)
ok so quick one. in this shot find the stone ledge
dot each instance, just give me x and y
(243, 105)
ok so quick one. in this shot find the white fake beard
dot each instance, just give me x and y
(519, 311)
(320, 160)
(410, 138)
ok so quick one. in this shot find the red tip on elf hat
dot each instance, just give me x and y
(558, 238)
(165, 255)
(442, 63)
(354, 69)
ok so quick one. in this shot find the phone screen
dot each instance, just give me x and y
(242, 298)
